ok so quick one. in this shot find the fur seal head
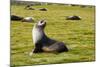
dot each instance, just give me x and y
(41, 24)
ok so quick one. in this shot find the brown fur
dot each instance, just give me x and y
(45, 44)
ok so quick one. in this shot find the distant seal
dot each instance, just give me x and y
(29, 7)
(43, 9)
(16, 18)
(28, 19)
(73, 17)
(43, 43)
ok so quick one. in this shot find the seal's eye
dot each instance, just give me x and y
(42, 21)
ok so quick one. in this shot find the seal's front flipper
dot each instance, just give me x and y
(36, 50)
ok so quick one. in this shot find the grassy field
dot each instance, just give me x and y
(78, 34)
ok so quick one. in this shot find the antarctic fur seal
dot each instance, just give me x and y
(43, 9)
(73, 17)
(43, 43)
(16, 18)
(28, 19)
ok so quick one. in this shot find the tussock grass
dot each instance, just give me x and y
(78, 35)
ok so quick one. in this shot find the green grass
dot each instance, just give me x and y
(79, 35)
